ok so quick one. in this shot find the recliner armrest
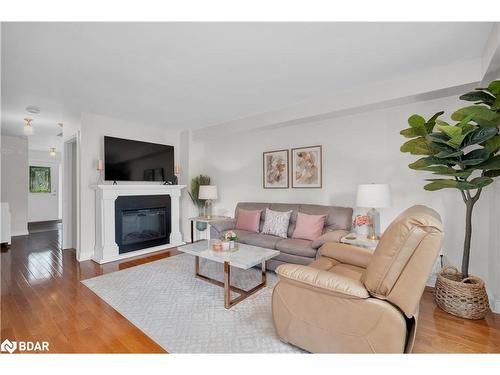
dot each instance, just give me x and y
(349, 254)
(323, 280)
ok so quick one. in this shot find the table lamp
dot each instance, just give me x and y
(373, 196)
(208, 193)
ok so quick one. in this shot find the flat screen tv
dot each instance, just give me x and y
(128, 160)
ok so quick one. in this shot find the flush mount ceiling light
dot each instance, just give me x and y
(33, 109)
(28, 127)
(52, 151)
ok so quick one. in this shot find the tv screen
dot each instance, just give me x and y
(127, 160)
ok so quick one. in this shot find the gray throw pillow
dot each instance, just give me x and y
(276, 223)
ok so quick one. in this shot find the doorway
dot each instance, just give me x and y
(70, 195)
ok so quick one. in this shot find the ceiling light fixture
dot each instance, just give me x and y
(33, 109)
(52, 151)
(28, 127)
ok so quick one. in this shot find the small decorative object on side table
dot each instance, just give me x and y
(359, 240)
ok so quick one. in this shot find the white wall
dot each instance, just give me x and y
(15, 181)
(46, 206)
(357, 149)
(93, 129)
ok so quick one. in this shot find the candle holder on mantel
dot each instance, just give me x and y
(100, 169)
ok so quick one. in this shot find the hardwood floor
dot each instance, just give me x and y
(42, 299)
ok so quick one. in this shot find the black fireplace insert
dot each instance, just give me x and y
(142, 221)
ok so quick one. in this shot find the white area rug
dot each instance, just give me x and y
(184, 314)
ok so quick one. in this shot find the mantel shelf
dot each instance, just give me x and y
(136, 187)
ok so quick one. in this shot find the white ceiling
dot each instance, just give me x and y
(193, 75)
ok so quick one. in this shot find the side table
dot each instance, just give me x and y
(204, 219)
(359, 240)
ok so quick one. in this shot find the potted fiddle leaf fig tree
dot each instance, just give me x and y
(463, 155)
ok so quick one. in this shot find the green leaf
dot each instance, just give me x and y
(492, 173)
(438, 138)
(494, 87)
(449, 154)
(417, 123)
(475, 157)
(496, 104)
(429, 125)
(410, 133)
(480, 182)
(454, 133)
(438, 184)
(418, 146)
(447, 171)
(493, 144)
(478, 96)
(482, 115)
(479, 135)
(450, 130)
(492, 163)
(420, 163)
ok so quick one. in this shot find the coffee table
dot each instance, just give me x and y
(245, 257)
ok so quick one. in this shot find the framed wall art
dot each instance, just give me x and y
(275, 169)
(307, 167)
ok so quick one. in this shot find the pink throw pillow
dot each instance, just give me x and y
(309, 227)
(248, 220)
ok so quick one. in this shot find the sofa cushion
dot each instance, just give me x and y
(309, 227)
(336, 217)
(296, 246)
(276, 223)
(252, 206)
(248, 220)
(282, 207)
(257, 239)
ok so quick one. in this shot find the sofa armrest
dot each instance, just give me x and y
(349, 254)
(332, 236)
(223, 225)
(322, 280)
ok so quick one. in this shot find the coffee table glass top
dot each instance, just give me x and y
(247, 256)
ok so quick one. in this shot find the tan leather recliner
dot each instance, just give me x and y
(353, 300)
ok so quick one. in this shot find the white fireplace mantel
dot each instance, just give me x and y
(106, 249)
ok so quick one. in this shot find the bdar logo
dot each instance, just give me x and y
(8, 346)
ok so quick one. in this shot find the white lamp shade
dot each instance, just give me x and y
(373, 196)
(207, 192)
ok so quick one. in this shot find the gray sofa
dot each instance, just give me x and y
(298, 251)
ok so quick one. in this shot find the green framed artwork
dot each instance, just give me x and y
(39, 179)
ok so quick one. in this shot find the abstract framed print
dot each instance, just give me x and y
(307, 165)
(275, 169)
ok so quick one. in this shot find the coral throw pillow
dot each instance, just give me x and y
(309, 227)
(248, 220)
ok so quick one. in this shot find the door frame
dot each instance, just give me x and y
(70, 239)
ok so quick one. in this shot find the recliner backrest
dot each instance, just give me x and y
(404, 258)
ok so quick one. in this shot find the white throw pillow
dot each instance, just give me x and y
(276, 223)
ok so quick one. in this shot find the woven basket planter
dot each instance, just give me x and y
(465, 298)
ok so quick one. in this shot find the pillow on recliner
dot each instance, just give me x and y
(276, 223)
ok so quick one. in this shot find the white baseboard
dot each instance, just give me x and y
(495, 306)
(20, 233)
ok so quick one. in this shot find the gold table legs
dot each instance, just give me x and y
(243, 294)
